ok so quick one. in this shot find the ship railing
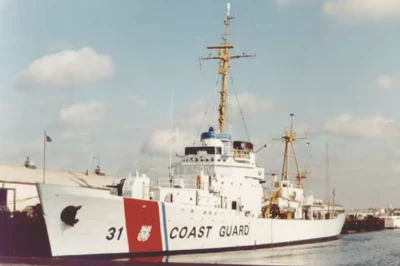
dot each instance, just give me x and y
(176, 182)
(242, 155)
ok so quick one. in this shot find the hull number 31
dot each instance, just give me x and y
(112, 232)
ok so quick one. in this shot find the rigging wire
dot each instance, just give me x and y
(205, 113)
(241, 110)
(307, 167)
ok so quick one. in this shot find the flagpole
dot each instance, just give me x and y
(44, 156)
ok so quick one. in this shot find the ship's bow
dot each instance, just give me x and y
(82, 221)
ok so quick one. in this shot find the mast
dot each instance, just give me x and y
(170, 140)
(224, 57)
(289, 138)
(327, 172)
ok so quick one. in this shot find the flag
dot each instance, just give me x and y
(48, 139)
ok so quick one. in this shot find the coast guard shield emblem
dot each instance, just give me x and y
(144, 233)
(143, 226)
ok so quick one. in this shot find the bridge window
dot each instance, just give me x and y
(208, 150)
(233, 205)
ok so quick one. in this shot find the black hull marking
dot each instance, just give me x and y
(199, 251)
(85, 262)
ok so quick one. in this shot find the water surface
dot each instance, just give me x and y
(374, 248)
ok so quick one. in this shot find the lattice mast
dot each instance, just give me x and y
(224, 57)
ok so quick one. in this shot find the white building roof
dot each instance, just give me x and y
(23, 180)
(22, 174)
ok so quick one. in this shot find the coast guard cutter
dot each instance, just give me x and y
(214, 202)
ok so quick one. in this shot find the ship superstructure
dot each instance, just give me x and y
(214, 201)
(392, 219)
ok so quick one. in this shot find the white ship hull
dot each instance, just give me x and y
(392, 222)
(115, 226)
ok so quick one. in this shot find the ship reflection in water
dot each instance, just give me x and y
(374, 248)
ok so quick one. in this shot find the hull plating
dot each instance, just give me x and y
(95, 223)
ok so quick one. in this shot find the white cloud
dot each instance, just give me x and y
(58, 45)
(74, 134)
(67, 68)
(250, 103)
(387, 82)
(304, 130)
(4, 109)
(158, 144)
(3, 4)
(368, 127)
(51, 99)
(196, 119)
(82, 114)
(200, 112)
(284, 1)
(138, 100)
(362, 9)
(396, 168)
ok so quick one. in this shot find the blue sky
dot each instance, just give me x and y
(98, 76)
